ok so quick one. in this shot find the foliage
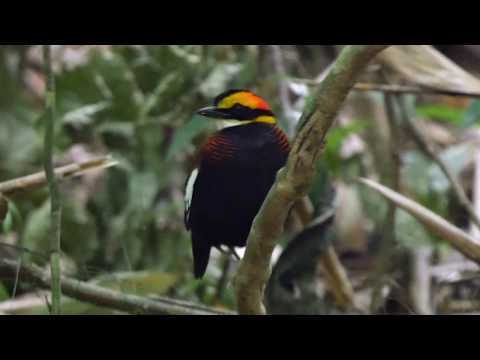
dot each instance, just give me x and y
(124, 228)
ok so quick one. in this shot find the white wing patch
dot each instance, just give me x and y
(189, 194)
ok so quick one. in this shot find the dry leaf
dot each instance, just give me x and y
(423, 65)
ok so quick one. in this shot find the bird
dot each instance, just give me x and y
(237, 167)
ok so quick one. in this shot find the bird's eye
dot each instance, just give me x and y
(241, 112)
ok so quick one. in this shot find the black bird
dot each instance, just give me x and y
(238, 165)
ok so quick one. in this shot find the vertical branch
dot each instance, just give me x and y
(56, 208)
(392, 178)
(294, 180)
(279, 66)
(420, 281)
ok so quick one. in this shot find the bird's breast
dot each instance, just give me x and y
(247, 145)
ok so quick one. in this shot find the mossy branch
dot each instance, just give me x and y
(55, 202)
(295, 179)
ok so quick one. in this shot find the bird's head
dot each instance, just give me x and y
(239, 107)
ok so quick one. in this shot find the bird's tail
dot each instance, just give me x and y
(201, 255)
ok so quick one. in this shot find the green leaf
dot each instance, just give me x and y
(416, 167)
(7, 224)
(472, 116)
(117, 134)
(441, 113)
(456, 158)
(79, 238)
(335, 139)
(410, 233)
(142, 190)
(3, 293)
(85, 114)
(184, 136)
(219, 79)
(140, 283)
(3, 208)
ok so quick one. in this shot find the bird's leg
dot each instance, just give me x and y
(223, 251)
(234, 253)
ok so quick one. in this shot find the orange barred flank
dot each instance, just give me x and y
(283, 140)
(218, 148)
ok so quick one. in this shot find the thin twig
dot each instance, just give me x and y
(279, 67)
(460, 307)
(338, 280)
(391, 177)
(223, 281)
(420, 281)
(335, 274)
(295, 179)
(37, 180)
(456, 237)
(428, 149)
(55, 202)
(398, 89)
(100, 296)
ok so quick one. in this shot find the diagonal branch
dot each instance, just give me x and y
(100, 296)
(39, 179)
(295, 179)
(429, 150)
(456, 237)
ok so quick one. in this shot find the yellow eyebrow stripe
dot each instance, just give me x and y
(266, 119)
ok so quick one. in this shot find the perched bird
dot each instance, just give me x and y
(238, 165)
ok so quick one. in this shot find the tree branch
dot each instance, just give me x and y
(428, 149)
(335, 274)
(456, 237)
(99, 296)
(294, 180)
(399, 89)
(39, 179)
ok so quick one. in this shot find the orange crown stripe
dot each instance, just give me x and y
(246, 99)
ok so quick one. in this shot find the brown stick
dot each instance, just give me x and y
(105, 297)
(39, 179)
(295, 179)
(456, 237)
(400, 89)
(335, 273)
(428, 149)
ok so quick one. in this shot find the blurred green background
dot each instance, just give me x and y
(124, 226)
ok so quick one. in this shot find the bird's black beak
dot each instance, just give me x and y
(213, 112)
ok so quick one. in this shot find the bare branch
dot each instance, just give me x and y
(420, 281)
(399, 89)
(39, 179)
(295, 179)
(338, 279)
(96, 295)
(335, 273)
(428, 149)
(459, 239)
